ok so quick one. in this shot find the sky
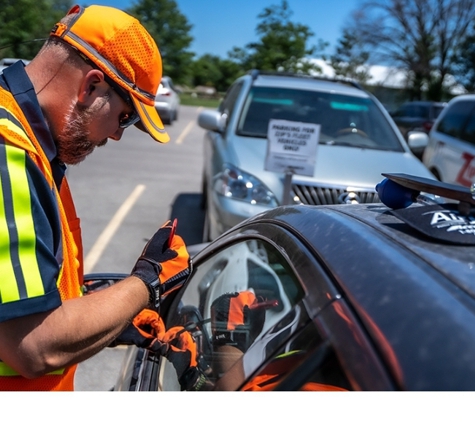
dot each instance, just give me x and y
(219, 25)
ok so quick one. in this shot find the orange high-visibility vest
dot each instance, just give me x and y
(70, 277)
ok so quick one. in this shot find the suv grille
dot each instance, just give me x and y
(318, 195)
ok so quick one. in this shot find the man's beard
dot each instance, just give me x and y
(73, 142)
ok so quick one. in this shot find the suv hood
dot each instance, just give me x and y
(336, 166)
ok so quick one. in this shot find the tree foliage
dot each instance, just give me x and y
(351, 59)
(283, 44)
(415, 35)
(23, 21)
(171, 31)
(213, 71)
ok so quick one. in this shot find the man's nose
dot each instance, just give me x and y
(117, 134)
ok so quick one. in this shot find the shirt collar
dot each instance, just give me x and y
(16, 80)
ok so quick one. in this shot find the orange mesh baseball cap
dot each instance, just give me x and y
(122, 48)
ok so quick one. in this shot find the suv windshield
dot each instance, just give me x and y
(345, 120)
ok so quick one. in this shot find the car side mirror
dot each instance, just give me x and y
(212, 120)
(97, 281)
(417, 141)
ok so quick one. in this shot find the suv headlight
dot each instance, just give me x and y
(237, 184)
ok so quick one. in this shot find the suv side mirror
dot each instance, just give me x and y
(417, 140)
(212, 120)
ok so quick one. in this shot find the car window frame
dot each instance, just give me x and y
(335, 321)
(319, 297)
(276, 236)
(230, 98)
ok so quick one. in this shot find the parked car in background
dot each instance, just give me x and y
(351, 297)
(450, 152)
(7, 61)
(358, 141)
(417, 116)
(167, 101)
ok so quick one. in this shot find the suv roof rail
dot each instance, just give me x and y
(256, 72)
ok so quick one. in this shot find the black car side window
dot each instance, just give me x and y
(231, 301)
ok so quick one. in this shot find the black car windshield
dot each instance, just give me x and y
(345, 120)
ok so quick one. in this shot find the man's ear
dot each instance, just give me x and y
(92, 86)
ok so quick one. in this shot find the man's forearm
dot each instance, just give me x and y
(40, 343)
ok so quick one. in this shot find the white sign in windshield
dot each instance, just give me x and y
(292, 147)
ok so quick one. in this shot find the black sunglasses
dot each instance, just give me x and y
(125, 119)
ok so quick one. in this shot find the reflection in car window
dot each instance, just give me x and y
(345, 120)
(233, 299)
(305, 362)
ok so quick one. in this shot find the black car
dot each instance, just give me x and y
(417, 116)
(352, 297)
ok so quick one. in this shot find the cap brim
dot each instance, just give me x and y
(150, 121)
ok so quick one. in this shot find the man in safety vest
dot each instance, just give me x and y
(97, 74)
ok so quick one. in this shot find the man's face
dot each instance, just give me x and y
(74, 141)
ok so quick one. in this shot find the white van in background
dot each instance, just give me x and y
(450, 154)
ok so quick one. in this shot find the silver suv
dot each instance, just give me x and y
(358, 141)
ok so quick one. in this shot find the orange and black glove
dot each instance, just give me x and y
(182, 354)
(164, 265)
(147, 331)
(238, 318)
(144, 331)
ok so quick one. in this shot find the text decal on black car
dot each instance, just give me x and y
(443, 222)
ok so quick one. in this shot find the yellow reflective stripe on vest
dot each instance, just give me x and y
(20, 194)
(6, 371)
(12, 126)
(8, 287)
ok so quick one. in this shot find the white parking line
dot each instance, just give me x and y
(187, 128)
(105, 237)
(185, 132)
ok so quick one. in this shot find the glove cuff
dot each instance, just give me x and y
(153, 293)
(148, 270)
(237, 338)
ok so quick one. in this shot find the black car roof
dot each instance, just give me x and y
(455, 262)
(414, 296)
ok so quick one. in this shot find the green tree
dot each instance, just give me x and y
(283, 44)
(350, 58)
(171, 31)
(213, 71)
(24, 21)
